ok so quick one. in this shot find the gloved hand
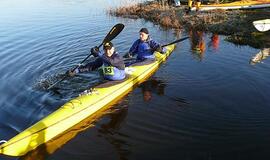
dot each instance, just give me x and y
(72, 73)
(128, 55)
(95, 51)
(159, 49)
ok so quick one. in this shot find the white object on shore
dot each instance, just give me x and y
(177, 3)
(262, 25)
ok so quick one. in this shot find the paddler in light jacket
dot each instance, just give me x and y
(144, 47)
(112, 64)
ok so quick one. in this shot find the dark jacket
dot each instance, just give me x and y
(144, 49)
(113, 67)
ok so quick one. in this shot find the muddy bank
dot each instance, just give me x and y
(236, 24)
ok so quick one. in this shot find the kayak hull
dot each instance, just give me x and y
(79, 108)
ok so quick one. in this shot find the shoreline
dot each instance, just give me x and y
(235, 24)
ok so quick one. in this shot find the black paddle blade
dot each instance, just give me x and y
(179, 40)
(113, 33)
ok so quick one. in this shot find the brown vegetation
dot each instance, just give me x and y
(152, 11)
(237, 24)
(169, 16)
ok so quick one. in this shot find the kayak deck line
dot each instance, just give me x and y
(78, 109)
(72, 106)
(57, 142)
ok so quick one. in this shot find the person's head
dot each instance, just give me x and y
(147, 96)
(108, 48)
(144, 33)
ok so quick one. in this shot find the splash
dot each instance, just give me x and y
(47, 80)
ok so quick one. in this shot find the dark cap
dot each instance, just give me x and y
(144, 30)
(107, 45)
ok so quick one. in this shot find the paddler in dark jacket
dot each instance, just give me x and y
(144, 47)
(113, 67)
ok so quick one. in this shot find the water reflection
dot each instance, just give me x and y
(110, 132)
(197, 43)
(263, 54)
(214, 43)
(152, 86)
(157, 86)
(116, 116)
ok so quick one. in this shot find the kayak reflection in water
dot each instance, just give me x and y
(197, 43)
(263, 54)
(110, 130)
(144, 47)
(150, 86)
(112, 64)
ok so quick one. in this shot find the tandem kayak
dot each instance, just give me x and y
(249, 4)
(81, 107)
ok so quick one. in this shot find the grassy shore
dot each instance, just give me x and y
(235, 24)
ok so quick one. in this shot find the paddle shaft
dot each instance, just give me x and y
(87, 57)
(84, 60)
(66, 75)
(110, 36)
(176, 41)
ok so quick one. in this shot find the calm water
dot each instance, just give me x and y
(198, 105)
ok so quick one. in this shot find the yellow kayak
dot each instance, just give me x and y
(81, 107)
(246, 4)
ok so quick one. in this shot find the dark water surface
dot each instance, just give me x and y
(209, 104)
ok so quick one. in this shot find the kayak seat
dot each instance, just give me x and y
(108, 83)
